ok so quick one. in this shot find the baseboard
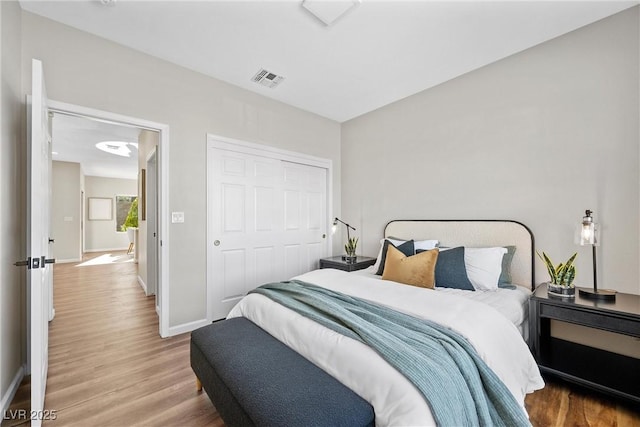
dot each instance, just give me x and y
(11, 391)
(67, 261)
(107, 250)
(187, 327)
(143, 285)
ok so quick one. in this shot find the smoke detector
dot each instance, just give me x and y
(267, 78)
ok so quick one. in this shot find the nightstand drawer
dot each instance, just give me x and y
(592, 319)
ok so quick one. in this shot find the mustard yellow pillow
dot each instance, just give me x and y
(415, 270)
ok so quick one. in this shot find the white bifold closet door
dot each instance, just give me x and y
(267, 220)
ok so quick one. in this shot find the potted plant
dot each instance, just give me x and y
(350, 249)
(131, 223)
(561, 276)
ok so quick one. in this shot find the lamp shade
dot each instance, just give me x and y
(587, 232)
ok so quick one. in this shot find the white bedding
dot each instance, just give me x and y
(395, 400)
(511, 303)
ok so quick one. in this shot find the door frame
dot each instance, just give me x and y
(82, 224)
(162, 186)
(245, 147)
(152, 219)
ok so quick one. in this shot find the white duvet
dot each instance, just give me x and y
(395, 400)
(512, 303)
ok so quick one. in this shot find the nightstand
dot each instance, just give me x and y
(338, 263)
(599, 369)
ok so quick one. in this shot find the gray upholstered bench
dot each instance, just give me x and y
(254, 379)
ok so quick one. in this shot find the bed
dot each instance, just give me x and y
(492, 321)
(481, 233)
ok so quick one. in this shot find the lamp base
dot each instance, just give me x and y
(600, 294)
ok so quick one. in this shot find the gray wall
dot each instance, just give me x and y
(12, 243)
(66, 211)
(101, 235)
(86, 70)
(537, 137)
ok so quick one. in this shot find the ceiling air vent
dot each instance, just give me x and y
(267, 78)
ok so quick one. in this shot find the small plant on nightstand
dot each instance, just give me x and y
(350, 247)
(561, 276)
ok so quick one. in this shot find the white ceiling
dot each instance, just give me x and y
(74, 139)
(377, 53)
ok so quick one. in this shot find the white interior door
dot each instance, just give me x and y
(267, 222)
(247, 246)
(39, 276)
(305, 217)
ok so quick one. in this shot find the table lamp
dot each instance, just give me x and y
(588, 233)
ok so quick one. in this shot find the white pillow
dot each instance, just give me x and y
(417, 244)
(425, 245)
(484, 266)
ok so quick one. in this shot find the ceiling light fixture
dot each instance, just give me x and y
(118, 148)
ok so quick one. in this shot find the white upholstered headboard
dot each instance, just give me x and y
(474, 233)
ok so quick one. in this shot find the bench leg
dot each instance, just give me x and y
(198, 384)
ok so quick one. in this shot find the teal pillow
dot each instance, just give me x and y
(451, 271)
(406, 248)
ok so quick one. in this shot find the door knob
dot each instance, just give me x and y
(47, 261)
(216, 243)
(23, 263)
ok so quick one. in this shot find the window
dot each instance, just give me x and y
(124, 204)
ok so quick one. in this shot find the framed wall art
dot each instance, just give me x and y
(100, 209)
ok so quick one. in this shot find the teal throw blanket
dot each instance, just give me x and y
(458, 386)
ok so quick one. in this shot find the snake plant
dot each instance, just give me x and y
(350, 247)
(562, 274)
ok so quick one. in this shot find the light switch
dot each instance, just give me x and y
(68, 218)
(177, 217)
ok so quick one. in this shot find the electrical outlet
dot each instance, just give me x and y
(177, 217)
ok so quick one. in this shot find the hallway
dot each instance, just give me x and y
(108, 365)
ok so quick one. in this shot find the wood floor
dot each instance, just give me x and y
(562, 404)
(109, 367)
